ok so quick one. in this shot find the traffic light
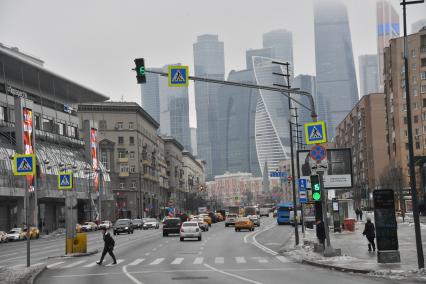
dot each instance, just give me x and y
(140, 70)
(316, 187)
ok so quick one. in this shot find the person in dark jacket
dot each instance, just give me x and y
(108, 246)
(321, 232)
(370, 233)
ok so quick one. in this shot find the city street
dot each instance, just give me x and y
(223, 256)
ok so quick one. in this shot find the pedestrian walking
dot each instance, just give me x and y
(370, 233)
(360, 214)
(321, 232)
(109, 244)
(357, 214)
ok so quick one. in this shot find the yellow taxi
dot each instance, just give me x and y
(244, 223)
(34, 233)
(206, 219)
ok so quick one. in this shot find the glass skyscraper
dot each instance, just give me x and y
(150, 95)
(368, 74)
(281, 42)
(337, 88)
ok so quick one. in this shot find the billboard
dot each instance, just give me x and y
(339, 172)
(28, 139)
(93, 146)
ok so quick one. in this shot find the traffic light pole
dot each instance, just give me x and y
(329, 251)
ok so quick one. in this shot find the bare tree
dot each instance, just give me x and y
(392, 178)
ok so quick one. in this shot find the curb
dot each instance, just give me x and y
(36, 275)
(76, 254)
(338, 268)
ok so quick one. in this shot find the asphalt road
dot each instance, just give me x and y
(223, 256)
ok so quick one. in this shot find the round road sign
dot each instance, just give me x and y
(318, 153)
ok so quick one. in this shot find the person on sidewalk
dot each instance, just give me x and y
(370, 233)
(108, 247)
(321, 232)
(360, 214)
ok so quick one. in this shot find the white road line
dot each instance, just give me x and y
(157, 261)
(177, 260)
(219, 260)
(137, 261)
(232, 275)
(240, 259)
(74, 264)
(136, 281)
(261, 259)
(282, 259)
(118, 262)
(55, 264)
(39, 263)
(90, 265)
(198, 260)
(265, 249)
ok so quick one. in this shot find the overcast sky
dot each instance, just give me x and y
(94, 42)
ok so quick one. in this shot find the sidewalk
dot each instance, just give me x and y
(355, 256)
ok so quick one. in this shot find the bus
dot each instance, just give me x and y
(283, 212)
(249, 210)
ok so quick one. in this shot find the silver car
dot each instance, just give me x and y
(190, 230)
(255, 219)
(150, 223)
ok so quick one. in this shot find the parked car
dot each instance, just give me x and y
(105, 225)
(244, 223)
(16, 234)
(137, 223)
(171, 226)
(230, 219)
(123, 226)
(34, 233)
(255, 220)
(190, 229)
(3, 237)
(150, 223)
(89, 226)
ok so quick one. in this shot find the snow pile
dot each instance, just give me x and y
(18, 274)
(416, 274)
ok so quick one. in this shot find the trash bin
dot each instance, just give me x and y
(349, 224)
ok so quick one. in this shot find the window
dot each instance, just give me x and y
(130, 125)
(121, 154)
(416, 119)
(414, 66)
(404, 107)
(415, 93)
(424, 143)
(104, 159)
(423, 62)
(417, 131)
(414, 79)
(423, 89)
(132, 155)
(405, 120)
(60, 128)
(133, 184)
(102, 125)
(121, 185)
(424, 129)
(423, 75)
(417, 145)
(132, 169)
(37, 121)
(406, 133)
(119, 125)
(406, 146)
(413, 53)
(124, 168)
(424, 116)
(120, 140)
(424, 102)
(47, 124)
(132, 140)
(3, 112)
(416, 105)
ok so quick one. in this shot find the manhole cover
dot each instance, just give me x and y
(190, 278)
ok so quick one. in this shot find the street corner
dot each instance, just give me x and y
(19, 274)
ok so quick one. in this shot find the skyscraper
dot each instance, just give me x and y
(150, 95)
(368, 74)
(336, 79)
(281, 42)
(387, 28)
(194, 140)
(209, 62)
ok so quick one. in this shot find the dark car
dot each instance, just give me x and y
(123, 226)
(171, 226)
(137, 224)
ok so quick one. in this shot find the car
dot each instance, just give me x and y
(89, 226)
(3, 237)
(150, 223)
(206, 219)
(171, 226)
(16, 234)
(255, 220)
(244, 223)
(230, 219)
(137, 223)
(190, 229)
(34, 233)
(122, 226)
(203, 225)
(274, 214)
(105, 225)
(264, 211)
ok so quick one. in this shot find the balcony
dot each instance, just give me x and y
(123, 160)
(123, 174)
(150, 177)
(146, 162)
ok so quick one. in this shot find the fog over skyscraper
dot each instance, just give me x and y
(337, 89)
(368, 74)
(281, 41)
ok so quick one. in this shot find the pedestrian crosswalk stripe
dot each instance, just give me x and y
(198, 260)
(261, 259)
(282, 259)
(219, 260)
(157, 261)
(75, 264)
(177, 260)
(90, 265)
(137, 261)
(118, 262)
(240, 259)
(55, 264)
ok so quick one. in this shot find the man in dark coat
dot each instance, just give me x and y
(108, 246)
(321, 232)
(370, 233)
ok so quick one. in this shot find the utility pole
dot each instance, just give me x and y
(420, 257)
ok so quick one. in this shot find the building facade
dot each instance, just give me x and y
(336, 78)
(368, 74)
(363, 131)
(209, 61)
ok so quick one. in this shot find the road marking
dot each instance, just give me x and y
(160, 245)
(55, 264)
(75, 264)
(136, 281)
(282, 259)
(265, 249)
(219, 260)
(39, 263)
(157, 261)
(240, 259)
(232, 275)
(177, 260)
(137, 261)
(154, 249)
(148, 253)
(198, 260)
(261, 259)
(118, 262)
(90, 265)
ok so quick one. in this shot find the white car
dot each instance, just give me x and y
(89, 226)
(150, 223)
(230, 219)
(105, 225)
(16, 234)
(190, 229)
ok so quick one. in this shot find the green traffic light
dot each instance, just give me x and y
(316, 196)
(142, 70)
(316, 187)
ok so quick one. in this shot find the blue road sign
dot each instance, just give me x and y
(24, 165)
(178, 76)
(303, 196)
(302, 183)
(282, 175)
(315, 132)
(65, 181)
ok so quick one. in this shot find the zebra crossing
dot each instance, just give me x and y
(173, 261)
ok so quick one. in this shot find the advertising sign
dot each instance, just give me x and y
(385, 220)
(339, 172)
(28, 140)
(93, 146)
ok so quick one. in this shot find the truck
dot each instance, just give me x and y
(263, 211)
(234, 210)
(249, 210)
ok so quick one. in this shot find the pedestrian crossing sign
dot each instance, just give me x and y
(178, 76)
(315, 132)
(65, 181)
(24, 165)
